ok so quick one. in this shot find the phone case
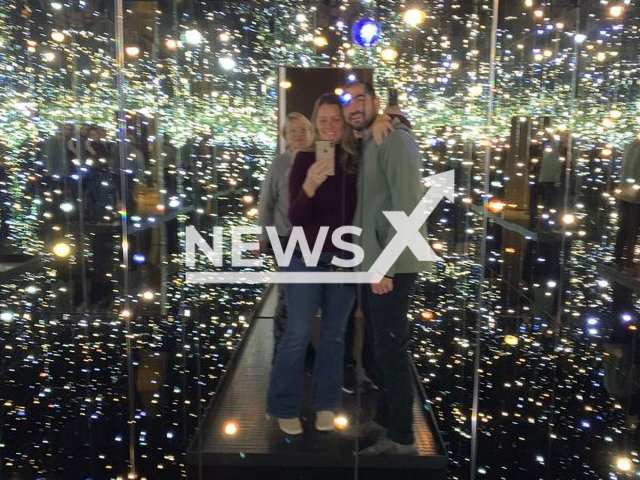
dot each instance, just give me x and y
(325, 151)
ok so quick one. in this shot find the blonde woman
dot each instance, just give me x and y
(297, 133)
(318, 199)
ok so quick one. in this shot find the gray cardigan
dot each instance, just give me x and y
(274, 197)
(389, 179)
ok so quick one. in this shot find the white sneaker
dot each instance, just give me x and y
(290, 426)
(324, 420)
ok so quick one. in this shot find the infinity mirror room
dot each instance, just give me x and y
(345, 239)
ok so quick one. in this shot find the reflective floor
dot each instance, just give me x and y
(552, 403)
(240, 407)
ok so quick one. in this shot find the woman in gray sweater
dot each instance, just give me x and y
(274, 199)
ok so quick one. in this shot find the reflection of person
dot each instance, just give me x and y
(388, 180)
(76, 152)
(169, 154)
(628, 193)
(96, 149)
(550, 176)
(57, 156)
(98, 187)
(317, 200)
(274, 199)
(5, 198)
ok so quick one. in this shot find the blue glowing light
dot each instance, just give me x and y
(139, 258)
(345, 98)
(366, 32)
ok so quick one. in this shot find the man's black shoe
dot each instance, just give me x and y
(349, 379)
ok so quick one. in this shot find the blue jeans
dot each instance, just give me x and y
(284, 398)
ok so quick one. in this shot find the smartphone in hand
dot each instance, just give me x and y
(325, 153)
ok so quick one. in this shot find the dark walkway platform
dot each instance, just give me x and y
(609, 272)
(259, 450)
(13, 265)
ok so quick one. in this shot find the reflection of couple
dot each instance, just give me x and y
(367, 177)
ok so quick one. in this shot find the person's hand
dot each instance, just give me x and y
(261, 249)
(385, 286)
(89, 147)
(381, 128)
(394, 110)
(71, 145)
(316, 175)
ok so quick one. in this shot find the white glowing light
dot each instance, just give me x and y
(369, 31)
(132, 51)
(389, 54)
(475, 90)
(62, 249)
(58, 37)
(227, 63)
(341, 422)
(616, 11)
(320, 41)
(414, 17)
(623, 464)
(193, 37)
(230, 428)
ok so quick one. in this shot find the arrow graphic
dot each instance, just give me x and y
(408, 228)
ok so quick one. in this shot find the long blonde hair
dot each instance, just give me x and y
(349, 157)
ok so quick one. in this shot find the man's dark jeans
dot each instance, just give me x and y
(280, 317)
(386, 315)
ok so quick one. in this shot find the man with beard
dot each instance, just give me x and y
(388, 180)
